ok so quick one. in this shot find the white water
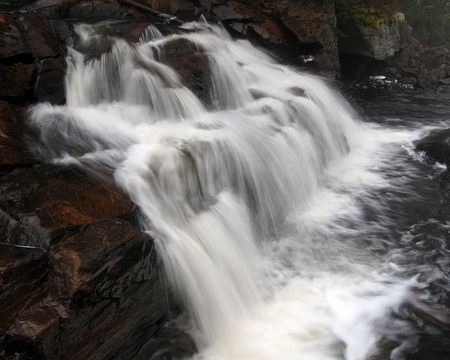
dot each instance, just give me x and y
(255, 202)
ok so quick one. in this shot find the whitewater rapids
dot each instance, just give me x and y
(256, 199)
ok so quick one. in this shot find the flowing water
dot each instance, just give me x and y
(281, 216)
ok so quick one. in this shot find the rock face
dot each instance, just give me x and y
(365, 35)
(305, 28)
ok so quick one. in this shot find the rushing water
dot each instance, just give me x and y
(279, 214)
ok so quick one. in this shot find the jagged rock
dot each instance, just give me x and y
(104, 277)
(23, 274)
(12, 149)
(38, 200)
(436, 146)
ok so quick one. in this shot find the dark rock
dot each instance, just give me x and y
(100, 9)
(19, 79)
(11, 41)
(107, 273)
(50, 81)
(369, 32)
(170, 345)
(426, 84)
(45, 198)
(444, 81)
(12, 149)
(183, 9)
(38, 35)
(191, 64)
(104, 277)
(23, 274)
(436, 146)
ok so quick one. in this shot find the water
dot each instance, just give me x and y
(279, 213)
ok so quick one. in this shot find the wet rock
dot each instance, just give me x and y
(444, 81)
(100, 9)
(12, 149)
(191, 64)
(23, 274)
(11, 41)
(107, 273)
(45, 198)
(426, 84)
(104, 277)
(50, 81)
(436, 145)
(314, 25)
(183, 9)
(172, 344)
(38, 35)
(19, 79)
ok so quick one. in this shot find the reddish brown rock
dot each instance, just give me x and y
(103, 277)
(11, 41)
(12, 149)
(35, 201)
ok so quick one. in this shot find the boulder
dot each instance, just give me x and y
(191, 64)
(370, 32)
(436, 146)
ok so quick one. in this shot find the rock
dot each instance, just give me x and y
(436, 145)
(44, 198)
(38, 36)
(371, 32)
(426, 84)
(12, 149)
(50, 81)
(444, 81)
(11, 41)
(23, 274)
(19, 79)
(100, 9)
(191, 64)
(182, 9)
(314, 26)
(103, 277)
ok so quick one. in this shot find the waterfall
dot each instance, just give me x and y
(225, 186)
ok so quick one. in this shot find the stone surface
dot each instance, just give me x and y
(45, 198)
(374, 35)
(191, 64)
(50, 81)
(19, 79)
(12, 148)
(104, 277)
